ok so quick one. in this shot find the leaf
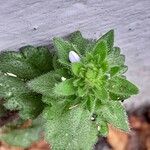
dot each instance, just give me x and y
(118, 97)
(114, 113)
(114, 70)
(118, 85)
(65, 88)
(77, 39)
(119, 61)
(23, 137)
(118, 70)
(101, 93)
(45, 83)
(104, 129)
(56, 63)
(76, 68)
(10, 86)
(51, 100)
(109, 38)
(27, 64)
(115, 52)
(115, 58)
(100, 50)
(63, 49)
(72, 130)
(39, 57)
(102, 126)
(29, 105)
(19, 97)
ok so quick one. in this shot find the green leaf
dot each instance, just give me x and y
(118, 85)
(64, 88)
(45, 83)
(39, 57)
(30, 62)
(23, 137)
(118, 61)
(77, 39)
(63, 49)
(114, 113)
(115, 52)
(29, 105)
(10, 86)
(118, 70)
(76, 68)
(109, 38)
(56, 63)
(115, 58)
(102, 126)
(72, 130)
(19, 97)
(104, 129)
(101, 93)
(114, 70)
(122, 70)
(117, 97)
(51, 100)
(100, 51)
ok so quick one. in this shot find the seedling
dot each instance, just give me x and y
(72, 92)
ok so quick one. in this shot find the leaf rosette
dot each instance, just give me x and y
(78, 89)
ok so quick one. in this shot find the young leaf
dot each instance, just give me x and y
(77, 39)
(70, 130)
(101, 93)
(118, 61)
(118, 70)
(114, 58)
(118, 85)
(76, 68)
(114, 113)
(117, 97)
(109, 38)
(100, 50)
(63, 49)
(114, 53)
(65, 88)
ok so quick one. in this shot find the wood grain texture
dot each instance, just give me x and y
(36, 22)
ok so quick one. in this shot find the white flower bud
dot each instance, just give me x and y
(73, 57)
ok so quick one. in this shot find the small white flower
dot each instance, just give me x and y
(73, 57)
(63, 78)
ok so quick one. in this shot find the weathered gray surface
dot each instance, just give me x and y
(129, 18)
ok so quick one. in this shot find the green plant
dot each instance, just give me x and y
(71, 93)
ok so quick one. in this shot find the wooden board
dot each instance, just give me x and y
(36, 22)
